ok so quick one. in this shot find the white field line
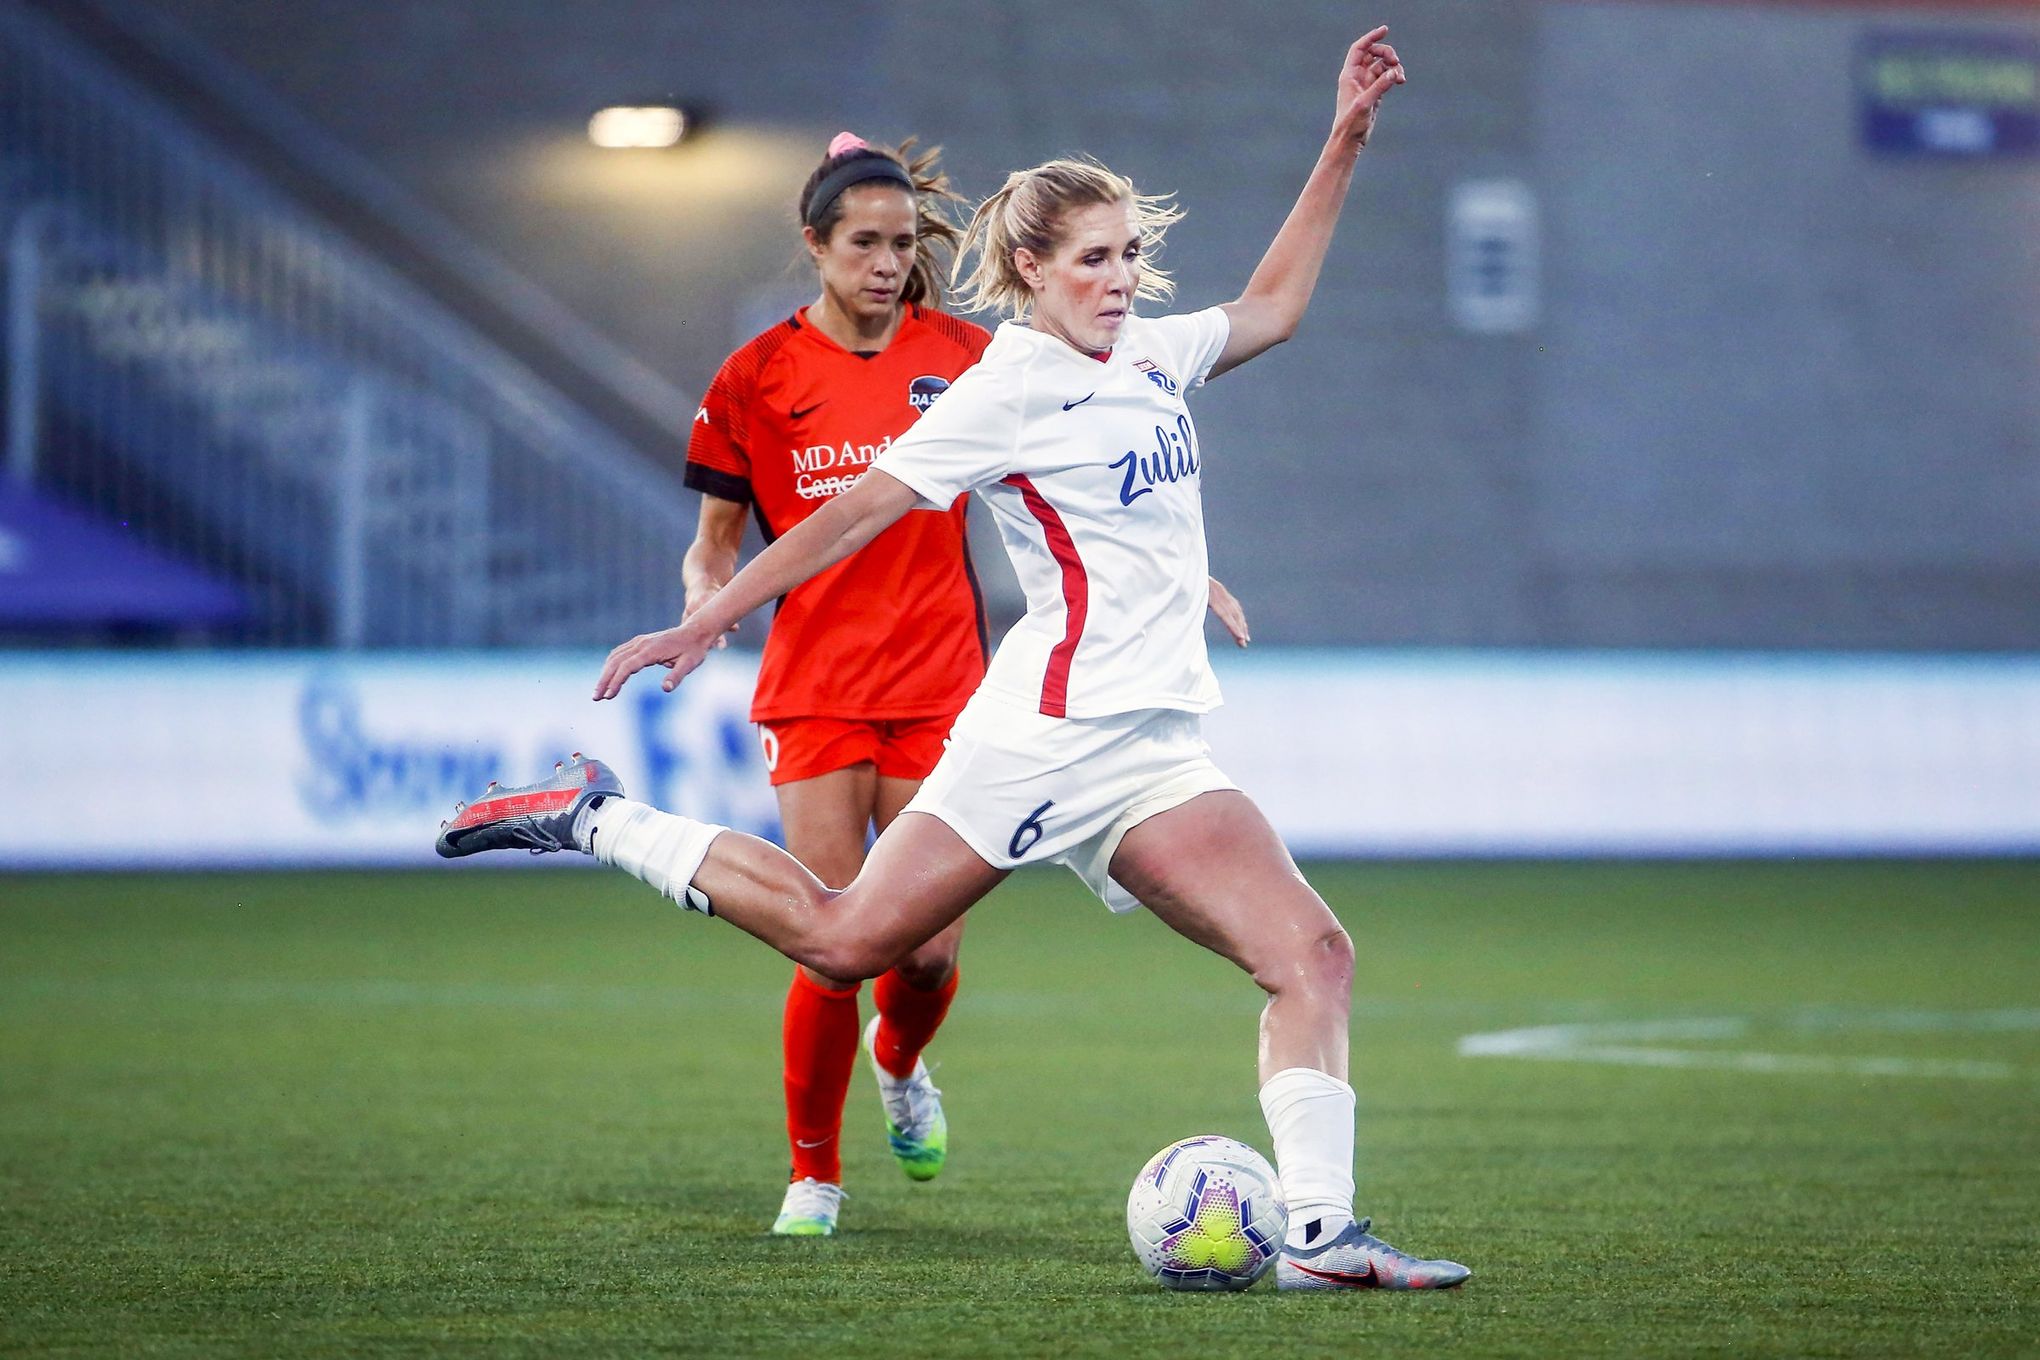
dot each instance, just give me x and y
(1638, 1043)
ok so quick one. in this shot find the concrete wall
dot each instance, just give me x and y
(1792, 389)
(1780, 392)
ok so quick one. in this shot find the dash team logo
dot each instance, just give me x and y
(922, 391)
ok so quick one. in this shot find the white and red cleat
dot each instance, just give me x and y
(536, 817)
(1355, 1260)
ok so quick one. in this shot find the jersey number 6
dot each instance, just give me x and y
(1028, 832)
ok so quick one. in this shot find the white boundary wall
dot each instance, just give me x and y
(1638, 753)
(134, 758)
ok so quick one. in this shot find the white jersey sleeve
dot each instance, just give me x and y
(1190, 342)
(964, 440)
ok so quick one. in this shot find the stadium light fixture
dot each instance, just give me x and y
(639, 126)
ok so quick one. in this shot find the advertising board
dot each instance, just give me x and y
(142, 759)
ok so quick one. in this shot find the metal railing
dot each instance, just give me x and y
(192, 355)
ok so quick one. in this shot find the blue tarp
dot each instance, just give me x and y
(63, 568)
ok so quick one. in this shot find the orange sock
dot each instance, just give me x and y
(907, 1019)
(820, 1036)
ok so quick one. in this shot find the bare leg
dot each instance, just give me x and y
(929, 967)
(918, 879)
(1215, 871)
(825, 819)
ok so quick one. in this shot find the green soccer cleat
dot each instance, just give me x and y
(809, 1209)
(914, 1123)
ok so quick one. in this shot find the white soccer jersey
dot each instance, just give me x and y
(1091, 470)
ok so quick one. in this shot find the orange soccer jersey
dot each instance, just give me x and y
(896, 630)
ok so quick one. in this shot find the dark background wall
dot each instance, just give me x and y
(1779, 391)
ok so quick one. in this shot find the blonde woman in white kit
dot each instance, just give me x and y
(1082, 746)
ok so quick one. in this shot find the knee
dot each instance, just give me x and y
(848, 960)
(1332, 959)
(928, 968)
(1320, 964)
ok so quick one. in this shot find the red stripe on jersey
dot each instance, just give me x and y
(1076, 584)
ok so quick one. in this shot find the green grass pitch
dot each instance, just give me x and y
(527, 1112)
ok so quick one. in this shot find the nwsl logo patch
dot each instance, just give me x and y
(1156, 375)
(922, 391)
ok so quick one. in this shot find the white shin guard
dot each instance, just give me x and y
(662, 848)
(1310, 1120)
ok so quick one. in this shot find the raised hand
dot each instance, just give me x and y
(1372, 69)
(680, 649)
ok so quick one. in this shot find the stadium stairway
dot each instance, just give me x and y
(304, 416)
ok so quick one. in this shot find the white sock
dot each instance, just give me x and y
(662, 848)
(1310, 1120)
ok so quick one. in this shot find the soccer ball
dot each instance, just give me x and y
(1206, 1213)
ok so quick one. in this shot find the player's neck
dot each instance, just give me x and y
(1035, 322)
(850, 330)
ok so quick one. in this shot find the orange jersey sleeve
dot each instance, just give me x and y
(718, 449)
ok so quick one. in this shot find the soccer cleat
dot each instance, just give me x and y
(1355, 1260)
(914, 1123)
(536, 817)
(809, 1209)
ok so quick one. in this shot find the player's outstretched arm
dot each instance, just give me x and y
(818, 542)
(1267, 313)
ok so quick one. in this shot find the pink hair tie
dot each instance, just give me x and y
(878, 165)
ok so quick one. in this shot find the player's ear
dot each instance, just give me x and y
(816, 246)
(1031, 273)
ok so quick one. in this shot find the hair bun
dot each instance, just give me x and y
(847, 141)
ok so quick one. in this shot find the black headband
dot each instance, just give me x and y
(854, 172)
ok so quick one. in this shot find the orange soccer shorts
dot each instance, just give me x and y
(901, 748)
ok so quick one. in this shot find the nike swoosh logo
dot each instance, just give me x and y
(1073, 405)
(804, 1143)
(801, 413)
(1340, 1277)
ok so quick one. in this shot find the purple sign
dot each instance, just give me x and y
(60, 567)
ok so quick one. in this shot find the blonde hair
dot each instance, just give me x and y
(936, 237)
(1028, 211)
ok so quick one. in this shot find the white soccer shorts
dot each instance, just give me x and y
(1021, 788)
